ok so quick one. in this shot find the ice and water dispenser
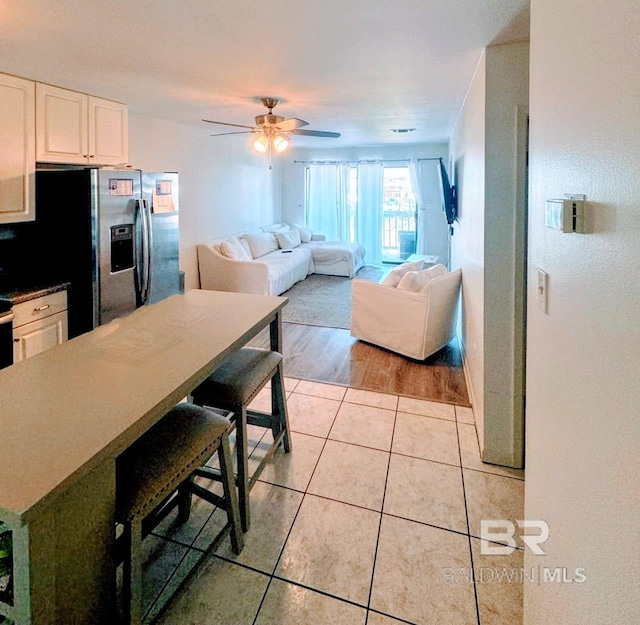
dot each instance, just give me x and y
(122, 247)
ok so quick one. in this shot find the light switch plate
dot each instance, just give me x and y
(543, 291)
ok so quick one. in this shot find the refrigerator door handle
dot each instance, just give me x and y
(146, 243)
(146, 295)
(140, 227)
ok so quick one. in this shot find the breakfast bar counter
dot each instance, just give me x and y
(66, 414)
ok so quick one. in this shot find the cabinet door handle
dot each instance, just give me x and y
(41, 308)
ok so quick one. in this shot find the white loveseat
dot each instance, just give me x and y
(416, 318)
(272, 259)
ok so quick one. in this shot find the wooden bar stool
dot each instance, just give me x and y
(156, 473)
(232, 387)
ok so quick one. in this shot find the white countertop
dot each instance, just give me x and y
(65, 410)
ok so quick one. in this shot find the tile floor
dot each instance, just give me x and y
(366, 522)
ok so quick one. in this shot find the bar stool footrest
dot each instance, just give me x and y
(261, 419)
(207, 495)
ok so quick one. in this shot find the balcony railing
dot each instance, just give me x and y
(397, 246)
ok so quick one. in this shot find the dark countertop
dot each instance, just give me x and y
(16, 295)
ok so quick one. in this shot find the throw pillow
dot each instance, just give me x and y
(277, 228)
(283, 228)
(232, 248)
(393, 277)
(288, 240)
(260, 244)
(305, 233)
(246, 247)
(414, 280)
(437, 270)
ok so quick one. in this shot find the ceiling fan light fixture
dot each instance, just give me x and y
(271, 132)
(261, 144)
(280, 142)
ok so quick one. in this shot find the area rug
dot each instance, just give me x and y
(324, 300)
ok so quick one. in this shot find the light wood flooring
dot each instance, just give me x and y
(332, 355)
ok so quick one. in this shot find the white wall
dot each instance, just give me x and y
(583, 395)
(293, 182)
(467, 243)
(507, 88)
(224, 186)
(488, 245)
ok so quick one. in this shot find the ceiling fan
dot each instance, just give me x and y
(273, 130)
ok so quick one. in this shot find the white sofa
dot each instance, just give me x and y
(267, 269)
(415, 322)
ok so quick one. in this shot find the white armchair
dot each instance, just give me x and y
(414, 324)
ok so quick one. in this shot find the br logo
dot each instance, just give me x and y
(503, 531)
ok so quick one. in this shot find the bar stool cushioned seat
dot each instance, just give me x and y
(232, 387)
(241, 377)
(159, 465)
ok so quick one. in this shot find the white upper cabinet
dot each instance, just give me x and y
(108, 132)
(17, 149)
(61, 125)
(76, 128)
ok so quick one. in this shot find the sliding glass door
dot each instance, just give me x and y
(367, 202)
(398, 215)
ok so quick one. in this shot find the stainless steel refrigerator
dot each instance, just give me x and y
(113, 235)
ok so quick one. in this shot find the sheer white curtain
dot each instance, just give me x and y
(417, 187)
(369, 210)
(326, 206)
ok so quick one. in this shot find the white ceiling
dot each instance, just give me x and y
(358, 67)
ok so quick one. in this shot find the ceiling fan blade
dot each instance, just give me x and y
(314, 133)
(210, 121)
(291, 124)
(239, 132)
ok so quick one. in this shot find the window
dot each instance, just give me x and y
(366, 202)
(352, 199)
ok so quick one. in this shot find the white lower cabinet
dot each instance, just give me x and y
(39, 325)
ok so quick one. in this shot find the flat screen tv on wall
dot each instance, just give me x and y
(447, 194)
